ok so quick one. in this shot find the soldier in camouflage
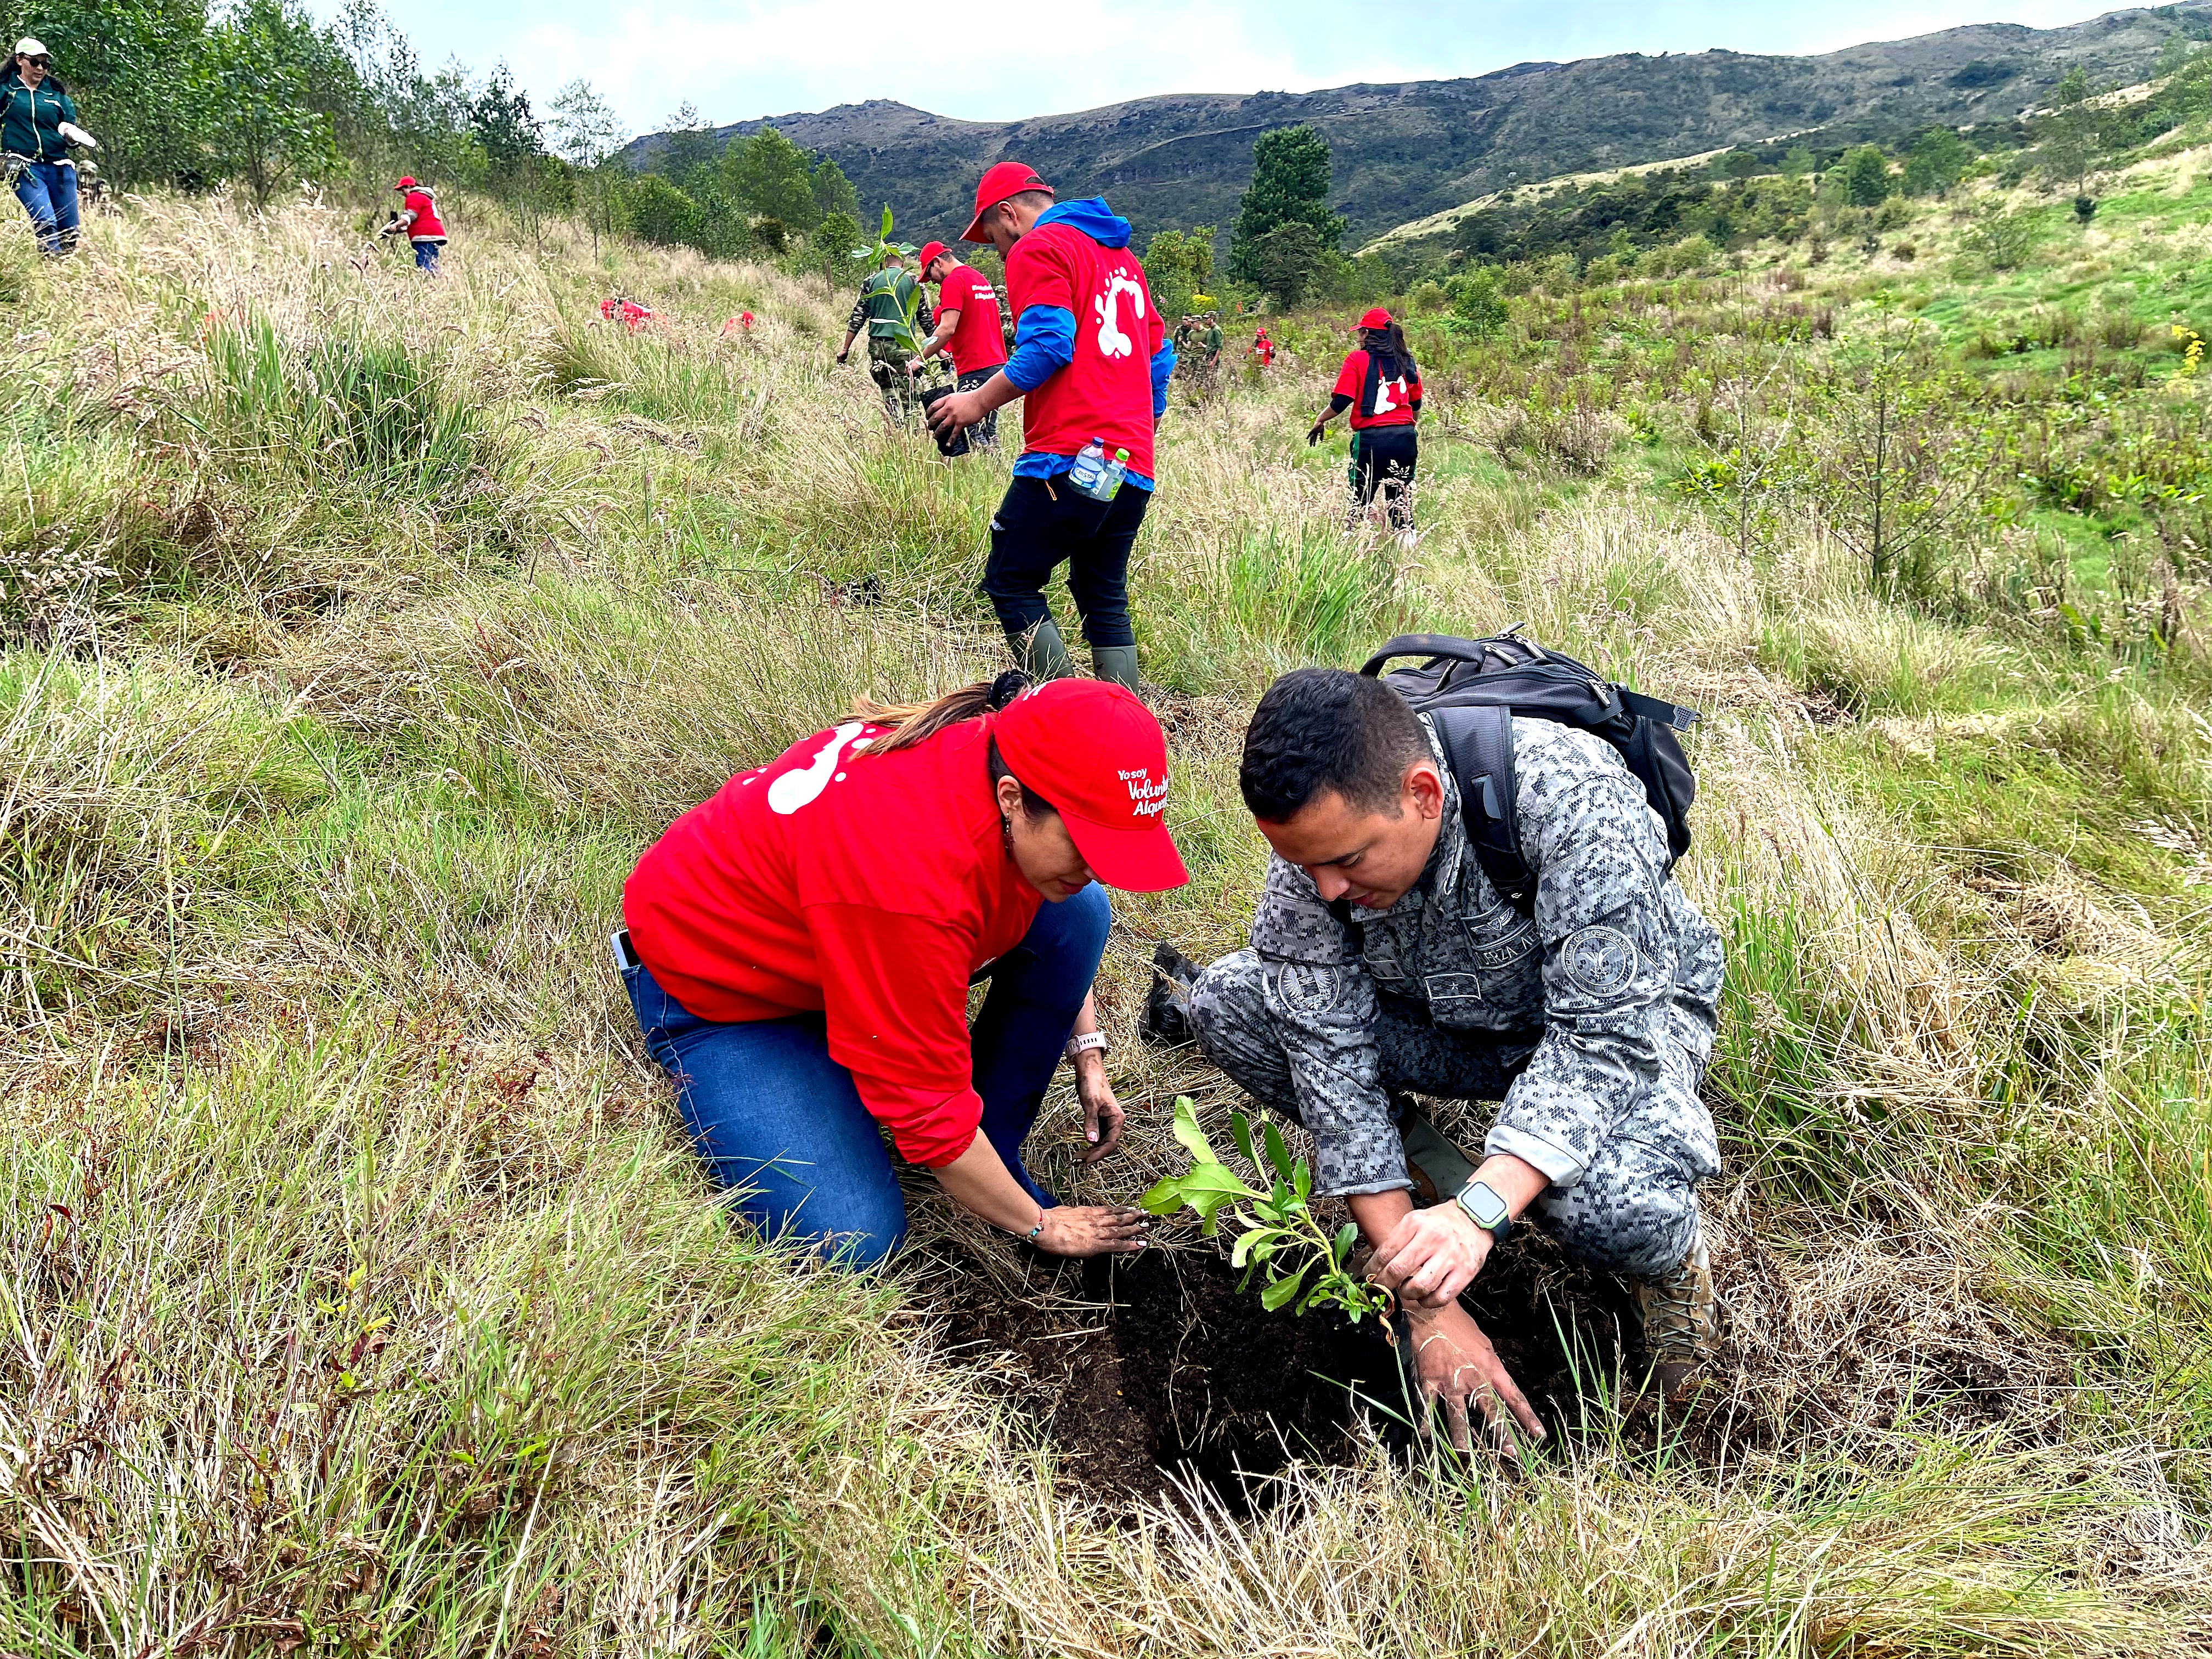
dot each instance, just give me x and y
(1385, 964)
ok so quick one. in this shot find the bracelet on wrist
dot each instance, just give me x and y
(1031, 1236)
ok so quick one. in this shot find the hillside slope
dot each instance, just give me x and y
(1417, 147)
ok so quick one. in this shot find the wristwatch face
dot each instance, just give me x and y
(1481, 1202)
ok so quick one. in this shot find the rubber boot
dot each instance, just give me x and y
(1439, 1168)
(1042, 653)
(1117, 662)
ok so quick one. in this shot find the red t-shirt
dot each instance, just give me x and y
(1376, 401)
(1106, 391)
(978, 342)
(870, 887)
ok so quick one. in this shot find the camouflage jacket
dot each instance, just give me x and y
(1615, 963)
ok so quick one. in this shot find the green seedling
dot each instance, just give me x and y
(1282, 1244)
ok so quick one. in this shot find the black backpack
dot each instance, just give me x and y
(1470, 690)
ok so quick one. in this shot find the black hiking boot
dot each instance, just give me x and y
(1165, 1023)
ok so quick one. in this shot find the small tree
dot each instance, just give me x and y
(587, 133)
(659, 212)
(258, 75)
(1937, 161)
(834, 194)
(1178, 267)
(687, 145)
(1289, 185)
(2073, 88)
(769, 175)
(1866, 176)
(834, 239)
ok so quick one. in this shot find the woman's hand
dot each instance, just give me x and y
(1093, 1229)
(1457, 1367)
(1314, 432)
(1102, 1116)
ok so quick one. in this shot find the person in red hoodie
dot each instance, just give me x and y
(966, 331)
(799, 951)
(417, 221)
(1381, 384)
(1090, 361)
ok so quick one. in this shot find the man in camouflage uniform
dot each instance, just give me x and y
(882, 310)
(1385, 964)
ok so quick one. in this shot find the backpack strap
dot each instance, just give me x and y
(1446, 645)
(1479, 747)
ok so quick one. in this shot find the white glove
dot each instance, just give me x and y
(77, 135)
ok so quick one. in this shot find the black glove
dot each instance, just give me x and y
(1314, 432)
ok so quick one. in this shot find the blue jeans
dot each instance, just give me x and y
(47, 190)
(780, 1123)
(426, 256)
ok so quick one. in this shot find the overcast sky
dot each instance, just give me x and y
(987, 60)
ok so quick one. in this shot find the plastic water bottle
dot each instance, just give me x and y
(1116, 469)
(1089, 472)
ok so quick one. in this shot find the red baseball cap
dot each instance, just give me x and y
(1006, 179)
(404, 184)
(1093, 750)
(1376, 317)
(929, 251)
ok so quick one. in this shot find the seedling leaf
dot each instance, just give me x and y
(1278, 1294)
(1187, 1132)
(1347, 1236)
(1277, 1154)
(1241, 1127)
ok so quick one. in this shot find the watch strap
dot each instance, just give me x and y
(1486, 1207)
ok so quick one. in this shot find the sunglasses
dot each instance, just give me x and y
(39, 63)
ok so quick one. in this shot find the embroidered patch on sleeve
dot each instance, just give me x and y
(1601, 961)
(1305, 988)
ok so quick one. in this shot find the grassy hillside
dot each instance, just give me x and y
(361, 1297)
(1407, 151)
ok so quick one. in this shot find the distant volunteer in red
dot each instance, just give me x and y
(1381, 384)
(1090, 361)
(417, 221)
(799, 951)
(967, 330)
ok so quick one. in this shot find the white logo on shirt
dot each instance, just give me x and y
(1382, 390)
(800, 787)
(1107, 308)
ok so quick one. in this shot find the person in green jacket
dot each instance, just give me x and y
(896, 315)
(38, 125)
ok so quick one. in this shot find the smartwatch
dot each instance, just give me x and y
(1486, 1209)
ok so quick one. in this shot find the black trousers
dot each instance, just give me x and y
(1043, 523)
(1384, 459)
(985, 431)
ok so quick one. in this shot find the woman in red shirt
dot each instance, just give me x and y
(1381, 384)
(799, 947)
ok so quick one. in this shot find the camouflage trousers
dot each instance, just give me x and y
(1635, 1209)
(887, 367)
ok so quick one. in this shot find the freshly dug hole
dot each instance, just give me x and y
(1143, 1366)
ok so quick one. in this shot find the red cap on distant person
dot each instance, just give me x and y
(929, 251)
(1376, 317)
(1006, 179)
(404, 184)
(1093, 750)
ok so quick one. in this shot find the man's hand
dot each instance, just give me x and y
(1457, 1366)
(1431, 1255)
(963, 409)
(843, 355)
(1102, 1116)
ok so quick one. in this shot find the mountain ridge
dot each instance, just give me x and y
(1404, 150)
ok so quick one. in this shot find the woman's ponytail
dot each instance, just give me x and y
(918, 722)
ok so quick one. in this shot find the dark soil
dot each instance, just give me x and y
(1144, 1365)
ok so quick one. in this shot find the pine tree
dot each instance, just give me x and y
(1289, 185)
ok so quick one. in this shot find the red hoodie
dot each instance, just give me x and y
(870, 887)
(422, 223)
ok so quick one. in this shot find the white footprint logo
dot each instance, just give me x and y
(796, 789)
(1107, 308)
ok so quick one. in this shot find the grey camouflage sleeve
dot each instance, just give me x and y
(1608, 956)
(1320, 1006)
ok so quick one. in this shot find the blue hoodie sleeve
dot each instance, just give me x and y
(1044, 343)
(1163, 366)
